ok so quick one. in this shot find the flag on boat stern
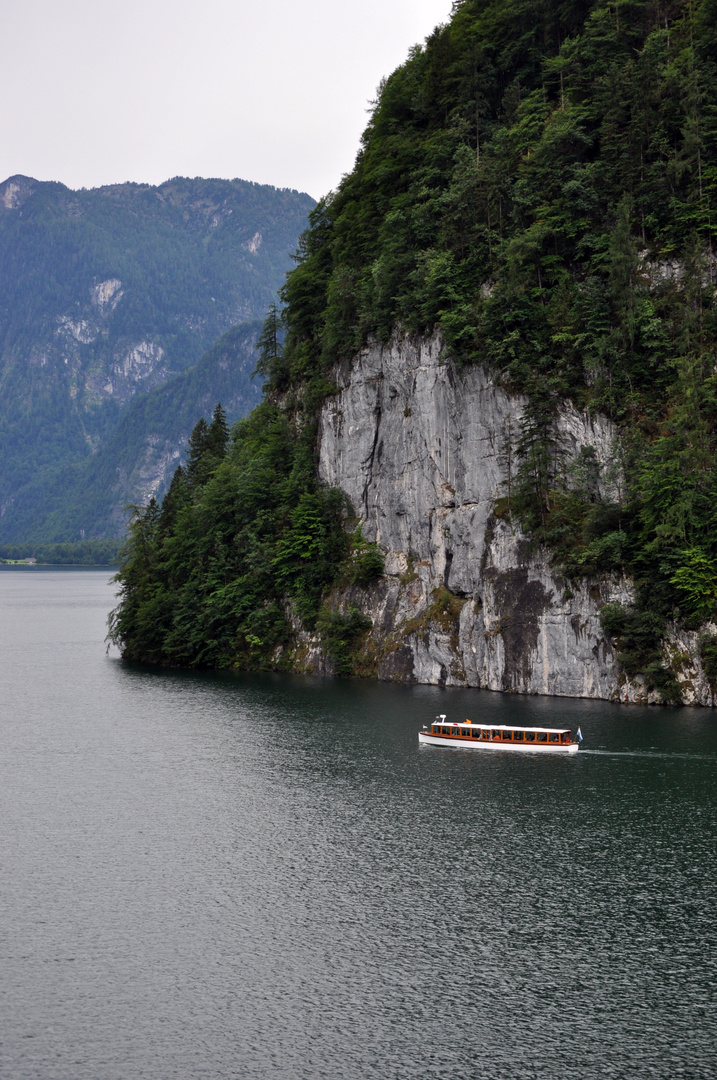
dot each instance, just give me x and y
(579, 736)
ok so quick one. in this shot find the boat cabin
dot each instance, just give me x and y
(502, 733)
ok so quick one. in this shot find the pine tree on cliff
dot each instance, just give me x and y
(269, 364)
(218, 434)
(207, 447)
(197, 448)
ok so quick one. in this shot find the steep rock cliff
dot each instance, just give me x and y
(419, 448)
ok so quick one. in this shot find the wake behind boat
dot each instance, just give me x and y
(468, 736)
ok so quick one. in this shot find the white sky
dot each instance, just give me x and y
(276, 91)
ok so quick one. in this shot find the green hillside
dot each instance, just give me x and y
(108, 293)
(539, 182)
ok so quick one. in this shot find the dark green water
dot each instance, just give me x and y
(259, 877)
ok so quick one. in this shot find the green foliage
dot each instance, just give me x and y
(207, 447)
(365, 561)
(696, 580)
(241, 539)
(339, 636)
(638, 635)
(269, 347)
(603, 554)
(539, 456)
(613, 619)
(445, 608)
(83, 553)
(511, 186)
(310, 548)
(708, 655)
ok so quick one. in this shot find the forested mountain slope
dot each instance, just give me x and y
(140, 454)
(106, 294)
(536, 191)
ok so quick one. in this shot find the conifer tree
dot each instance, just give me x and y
(172, 503)
(197, 448)
(207, 448)
(269, 364)
(540, 454)
(218, 434)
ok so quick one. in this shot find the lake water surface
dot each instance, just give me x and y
(212, 876)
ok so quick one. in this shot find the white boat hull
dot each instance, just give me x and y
(498, 744)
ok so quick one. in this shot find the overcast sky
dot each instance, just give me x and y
(269, 90)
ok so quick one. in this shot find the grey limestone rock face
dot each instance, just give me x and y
(419, 448)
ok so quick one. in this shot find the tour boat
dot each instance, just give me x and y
(526, 740)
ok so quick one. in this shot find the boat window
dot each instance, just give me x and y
(553, 737)
(518, 736)
(565, 737)
(540, 736)
(475, 732)
(530, 736)
(484, 733)
(495, 734)
(446, 731)
(507, 735)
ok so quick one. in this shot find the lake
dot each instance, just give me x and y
(259, 876)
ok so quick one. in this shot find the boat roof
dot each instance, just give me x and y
(499, 727)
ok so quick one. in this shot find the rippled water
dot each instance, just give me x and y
(256, 877)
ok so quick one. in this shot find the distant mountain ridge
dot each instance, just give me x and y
(108, 294)
(142, 453)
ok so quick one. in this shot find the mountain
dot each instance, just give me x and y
(140, 455)
(497, 379)
(106, 295)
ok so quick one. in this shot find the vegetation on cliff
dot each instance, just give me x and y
(245, 541)
(539, 181)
